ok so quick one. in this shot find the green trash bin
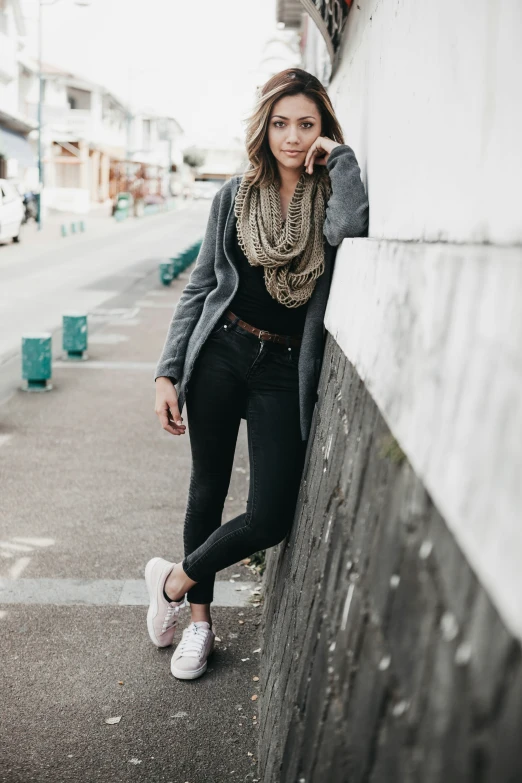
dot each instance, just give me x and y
(165, 273)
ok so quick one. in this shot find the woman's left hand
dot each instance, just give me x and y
(319, 152)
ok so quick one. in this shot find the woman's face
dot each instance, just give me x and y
(295, 123)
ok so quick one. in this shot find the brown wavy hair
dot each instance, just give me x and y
(263, 168)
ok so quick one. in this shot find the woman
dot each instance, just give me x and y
(246, 341)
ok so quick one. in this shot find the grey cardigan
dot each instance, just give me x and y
(214, 281)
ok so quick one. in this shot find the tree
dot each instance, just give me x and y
(194, 157)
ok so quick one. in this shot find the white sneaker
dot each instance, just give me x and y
(162, 615)
(190, 657)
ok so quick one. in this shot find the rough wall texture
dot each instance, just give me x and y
(383, 657)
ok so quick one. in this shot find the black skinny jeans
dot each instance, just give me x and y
(236, 372)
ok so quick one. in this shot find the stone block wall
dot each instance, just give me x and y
(383, 657)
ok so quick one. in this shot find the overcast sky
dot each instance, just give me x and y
(199, 59)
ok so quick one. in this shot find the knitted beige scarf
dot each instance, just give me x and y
(291, 251)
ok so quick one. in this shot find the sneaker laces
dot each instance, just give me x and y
(193, 640)
(171, 616)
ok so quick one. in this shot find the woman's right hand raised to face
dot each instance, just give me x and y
(167, 406)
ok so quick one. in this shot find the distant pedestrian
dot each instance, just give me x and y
(246, 341)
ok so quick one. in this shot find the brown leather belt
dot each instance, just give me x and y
(283, 339)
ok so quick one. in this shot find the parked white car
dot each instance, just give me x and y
(12, 212)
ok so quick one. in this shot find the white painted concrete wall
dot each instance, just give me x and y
(429, 96)
(429, 308)
(435, 332)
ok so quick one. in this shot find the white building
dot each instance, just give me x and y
(84, 127)
(17, 158)
(158, 141)
(222, 160)
(88, 133)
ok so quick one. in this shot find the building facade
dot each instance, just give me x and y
(88, 136)
(17, 158)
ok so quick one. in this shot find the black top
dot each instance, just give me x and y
(253, 304)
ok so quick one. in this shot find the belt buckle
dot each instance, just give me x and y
(261, 332)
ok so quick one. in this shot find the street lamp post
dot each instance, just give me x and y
(81, 3)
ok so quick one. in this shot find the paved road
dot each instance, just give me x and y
(40, 279)
(92, 488)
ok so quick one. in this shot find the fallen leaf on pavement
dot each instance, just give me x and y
(258, 650)
(254, 697)
(256, 679)
(111, 721)
(241, 622)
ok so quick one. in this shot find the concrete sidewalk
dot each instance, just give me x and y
(92, 487)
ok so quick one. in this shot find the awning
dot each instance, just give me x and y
(15, 145)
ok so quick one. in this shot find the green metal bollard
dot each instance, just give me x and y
(74, 336)
(187, 258)
(63, 229)
(82, 226)
(189, 255)
(177, 265)
(73, 228)
(192, 252)
(36, 362)
(165, 273)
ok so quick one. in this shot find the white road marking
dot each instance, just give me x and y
(19, 567)
(8, 549)
(116, 312)
(109, 338)
(126, 322)
(16, 547)
(35, 541)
